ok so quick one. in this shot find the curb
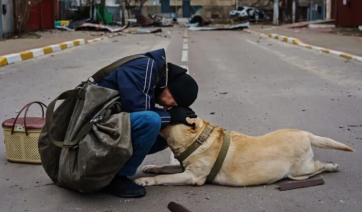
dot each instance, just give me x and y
(286, 39)
(33, 53)
(297, 42)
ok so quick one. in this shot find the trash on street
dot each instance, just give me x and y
(87, 24)
(152, 20)
(232, 27)
(142, 31)
(197, 21)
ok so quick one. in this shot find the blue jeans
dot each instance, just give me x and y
(145, 126)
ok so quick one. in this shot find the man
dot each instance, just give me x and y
(141, 84)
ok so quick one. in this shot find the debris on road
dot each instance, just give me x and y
(355, 125)
(142, 31)
(153, 20)
(300, 184)
(89, 25)
(221, 27)
(99, 27)
(175, 207)
(197, 21)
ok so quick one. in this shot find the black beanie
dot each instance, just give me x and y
(182, 86)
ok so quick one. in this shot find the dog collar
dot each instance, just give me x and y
(199, 141)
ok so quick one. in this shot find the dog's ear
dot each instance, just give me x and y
(193, 122)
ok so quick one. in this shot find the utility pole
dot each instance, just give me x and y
(293, 11)
(123, 8)
(103, 15)
(276, 12)
(1, 20)
(90, 3)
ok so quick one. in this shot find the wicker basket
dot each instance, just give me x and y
(21, 136)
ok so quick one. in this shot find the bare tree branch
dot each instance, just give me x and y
(22, 12)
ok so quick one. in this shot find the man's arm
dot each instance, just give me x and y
(165, 116)
(135, 84)
(136, 87)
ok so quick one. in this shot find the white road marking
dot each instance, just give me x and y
(185, 46)
(185, 40)
(185, 56)
(265, 48)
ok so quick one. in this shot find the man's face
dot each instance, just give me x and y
(166, 100)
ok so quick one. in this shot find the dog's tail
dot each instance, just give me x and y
(327, 143)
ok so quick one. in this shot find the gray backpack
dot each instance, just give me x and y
(87, 139)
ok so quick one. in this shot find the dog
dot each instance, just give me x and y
(249, 161)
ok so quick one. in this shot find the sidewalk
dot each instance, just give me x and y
(317, 37)
(47, 38)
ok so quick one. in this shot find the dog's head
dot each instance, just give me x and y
(180, 135)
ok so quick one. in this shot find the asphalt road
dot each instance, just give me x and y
(247, 84)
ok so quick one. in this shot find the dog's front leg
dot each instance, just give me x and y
(184, 178)
(164, 169)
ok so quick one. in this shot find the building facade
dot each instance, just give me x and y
(8, 26)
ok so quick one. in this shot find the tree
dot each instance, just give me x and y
(134, 5)
(22, 11)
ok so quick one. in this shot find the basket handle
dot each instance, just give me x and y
(26, 111)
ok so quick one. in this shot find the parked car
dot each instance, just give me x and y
(249, 13)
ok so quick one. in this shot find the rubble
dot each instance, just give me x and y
(300, 184)
(87, 24)
(142, 31)
(222, 27)
(99, 27)
(197, 21)
(176, 207)
(152, 20)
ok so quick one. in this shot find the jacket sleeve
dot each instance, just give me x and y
(165, 116)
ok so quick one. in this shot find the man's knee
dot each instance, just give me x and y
(148, 119)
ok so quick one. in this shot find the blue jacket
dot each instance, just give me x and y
(136, 83)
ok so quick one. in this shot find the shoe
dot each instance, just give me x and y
(122, 186)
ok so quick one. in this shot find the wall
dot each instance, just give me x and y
(8, 18)
(349, 14)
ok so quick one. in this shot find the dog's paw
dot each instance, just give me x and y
(337, 168)
(150, 169)
(145, 181)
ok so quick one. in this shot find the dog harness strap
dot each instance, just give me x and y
(200, 140)
(221, 157)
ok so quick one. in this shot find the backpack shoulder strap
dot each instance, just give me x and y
(99, 75)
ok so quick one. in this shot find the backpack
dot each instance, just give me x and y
(87, 139)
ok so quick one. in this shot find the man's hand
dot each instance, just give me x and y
(179, 115)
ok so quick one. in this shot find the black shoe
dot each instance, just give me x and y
(124, 187)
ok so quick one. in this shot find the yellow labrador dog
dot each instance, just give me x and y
(249, 161)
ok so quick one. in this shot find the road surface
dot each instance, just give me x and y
(247, 84)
